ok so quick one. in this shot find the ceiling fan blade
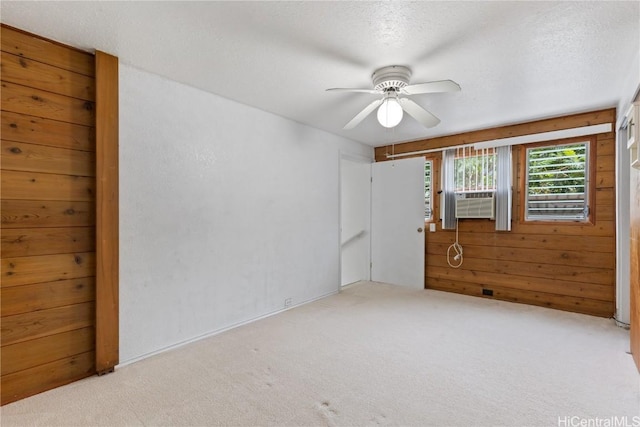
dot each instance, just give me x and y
(342, 89)
(362, 114)
(431, 87)
(417, 112)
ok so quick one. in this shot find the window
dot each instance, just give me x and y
(557, 182)
(484, 173)
(475, 170)
(428, 182)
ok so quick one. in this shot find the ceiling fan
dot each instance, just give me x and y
(391, 82)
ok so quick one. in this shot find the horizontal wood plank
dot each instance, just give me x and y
(21, 242)
(582, 274)
(28, 214)
(538, 284)
(605, 146)
(606, 163)
(43, 186)
(28, 46)
(43, 296)
(559, 228)
(560, 302)
(38, 324)
(28, 354)
(601, 228)
(550, 256)
(37, 130)
(606, 213)
(601, 244)
(26, 383)
(27, 72)
(35, 102)
(605, 197)
(605, 179)
(19, 156)
(47, 268)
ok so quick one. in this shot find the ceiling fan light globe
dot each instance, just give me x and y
(390, 113)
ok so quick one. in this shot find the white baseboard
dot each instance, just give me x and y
(221, 330)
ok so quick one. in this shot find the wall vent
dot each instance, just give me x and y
(476, 205)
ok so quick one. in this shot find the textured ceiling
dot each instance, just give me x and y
(515, 61)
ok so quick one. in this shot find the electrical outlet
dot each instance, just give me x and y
(487, 292)
(287, 302)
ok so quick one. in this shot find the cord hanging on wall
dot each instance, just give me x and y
(457, 249)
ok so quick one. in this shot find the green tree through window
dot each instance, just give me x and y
(557, 178)
(475, 170)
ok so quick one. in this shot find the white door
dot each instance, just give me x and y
(397, 222)
(355, 220)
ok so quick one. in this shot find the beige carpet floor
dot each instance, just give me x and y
(372, 355)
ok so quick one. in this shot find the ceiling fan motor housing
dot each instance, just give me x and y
(394, 77)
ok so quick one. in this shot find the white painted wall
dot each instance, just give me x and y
(355, 223)
(630, 76)
(623, 227)
(623, 189)
(225, 211)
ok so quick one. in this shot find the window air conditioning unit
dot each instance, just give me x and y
(476, 205)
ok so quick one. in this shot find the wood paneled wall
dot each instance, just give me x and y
(562, 265)
(48, 215)
(635, 265)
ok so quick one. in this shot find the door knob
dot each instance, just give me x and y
(420, 230)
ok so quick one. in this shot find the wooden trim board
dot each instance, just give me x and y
(107, 227)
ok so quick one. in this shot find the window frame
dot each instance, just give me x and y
(431, 198)
(436, 161)
(590, 141)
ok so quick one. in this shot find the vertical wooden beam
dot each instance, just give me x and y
(634, 275)
(107, 230)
